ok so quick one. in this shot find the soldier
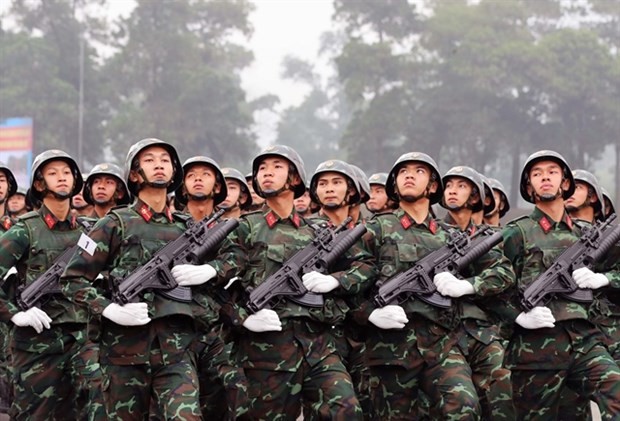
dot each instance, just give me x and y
(51, 375)
(488, 200)
(105, 188)
(79, 206)
(587, 203)
(148, 368)
(8, 187)
(355, 210)
(203, 187)
(413, 347)
(553, 346)
(464, 194)
(378, 202)
(257, 201)
(17, 204)
(502, 205)
(609, 204)
(239, 199)
(287, 352)
(303, 204)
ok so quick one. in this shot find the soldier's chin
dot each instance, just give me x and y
(100, 202)
(546, 197)
(200, 197)
(301, 210)
(159, 184)
(64, 195)
(270, 193)
(331, 206)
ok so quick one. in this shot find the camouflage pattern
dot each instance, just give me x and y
(146, 369)
(55, 374)
(572, 354)
(403, 362)
(300, 362)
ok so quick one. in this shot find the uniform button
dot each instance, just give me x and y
(236, 322)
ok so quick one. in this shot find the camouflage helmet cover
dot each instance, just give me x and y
(219, 178)
(106, 169)
(390, 184)
(337, 166)
(138, 147)
(285, 152)
(52, 155)
(545, 155)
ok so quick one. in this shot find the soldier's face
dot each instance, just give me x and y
(58, 177)
(578, 198)
(331, 189)
(302, 203)
(157, 165)
(457, 191)
(378, 198)
(412, 179)
(499, 202)
(234, 194)
(256, 199)
(103, 189)
(272, 174)
(200, 180)
(16, 203)
(4, 186)
(546, 179)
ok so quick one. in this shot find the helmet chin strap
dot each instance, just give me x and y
(153, 184)
(201, 197)
(547, 197)
(413, 199)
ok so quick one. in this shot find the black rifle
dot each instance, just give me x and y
(190, 248)
(327, 246)
(591, 247)
(460, 250)
(47, 282)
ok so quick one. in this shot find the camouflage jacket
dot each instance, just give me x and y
(32, 245)
(263, 242)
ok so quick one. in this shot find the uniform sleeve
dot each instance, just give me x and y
(232, 257)
(494, 273)
(82, 270)
(13, 245)
(361, 269)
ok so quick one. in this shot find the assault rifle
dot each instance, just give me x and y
(591, 247)
(460, 250)
(190, 248)
(326, 247)
(47, 282)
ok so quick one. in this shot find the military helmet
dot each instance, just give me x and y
(218, 198)
(338, 166)
(473, 177)
(138, 147)
(285, 152)
(106, 169)
(497, 185)
(53, 155)
(488, 193)
(21, 190)
(390, 184)
(236, 175)
(379, 178)
(362, 179)
(10, 178)
(609, 208)
(545, 155)
(590, 179)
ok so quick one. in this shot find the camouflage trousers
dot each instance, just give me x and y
(491, 379)
(56, 376)
(394, 390)
(156, 391)
(593, 374)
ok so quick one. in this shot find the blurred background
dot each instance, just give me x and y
(480, 83)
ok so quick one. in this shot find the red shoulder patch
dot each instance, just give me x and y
(545, 224)
(271, 219)
(50, 221)
(432, 226)
(145, 212)
(405, 221)
(296, 220)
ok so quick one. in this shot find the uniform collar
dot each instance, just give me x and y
(51, 221)
(272, 218)
(406, 221)
(147, 213)
(471, 227)
(547, 224)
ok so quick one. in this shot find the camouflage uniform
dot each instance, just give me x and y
(572, 354)
(6, 390)
(49, 367)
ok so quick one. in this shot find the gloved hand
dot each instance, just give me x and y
(389, 317)
(130, 314)
(536, 318)
(188, 275)
(33, 317)
(264, 320)
(317, 282)
(449, 285)
(585, 278)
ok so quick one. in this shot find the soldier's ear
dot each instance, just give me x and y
(39, 185)
(432, 187)
(133, 176)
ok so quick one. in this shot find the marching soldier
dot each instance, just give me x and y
(609, 204)
(502, 205)
(239, 199)
(257, 201)
(105, 188)
(379, 202)
(8, 187)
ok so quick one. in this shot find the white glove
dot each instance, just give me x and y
(188, 275)
(536, 318)
(130, 314)
(264, 320)
(585, 278)
(449, 285)
(389, 317)
(33, 317)
(317, 282)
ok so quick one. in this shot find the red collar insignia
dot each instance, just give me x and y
(296, 220)
(50, 221)
(569, 221)
(271, 219)
(145, 212)
(432, 226)
(545, 224)
(7, 223)
(405, 221)
(168, 214)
